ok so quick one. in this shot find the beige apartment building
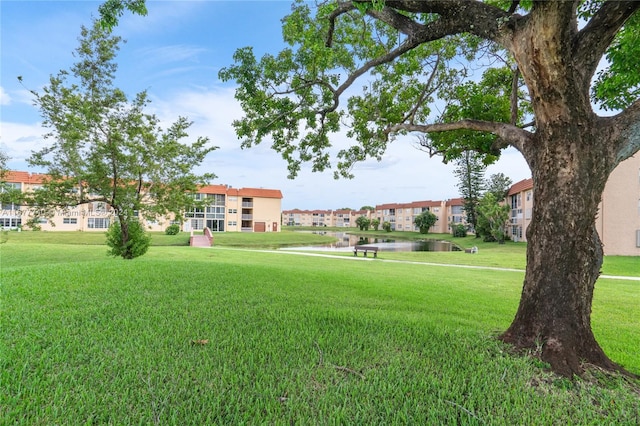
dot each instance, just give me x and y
(236, 210)
(520, 197)
(455, 213)
(399, 215)
(341, 218)
(402, 215)
(618, 220)
(227, 209)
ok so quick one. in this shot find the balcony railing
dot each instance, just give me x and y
(247, 217)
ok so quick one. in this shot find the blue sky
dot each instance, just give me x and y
(175, 53)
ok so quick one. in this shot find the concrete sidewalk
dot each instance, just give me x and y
(410, 262)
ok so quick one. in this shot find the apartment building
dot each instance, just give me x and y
(455, 213)
(297, 217)
(402, 215)
(520, 198)
(226, 209)
(341, 218)
(236, 210)
(618, 220)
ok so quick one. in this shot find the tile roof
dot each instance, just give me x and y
(521, 186)
(258, 192)
(24, 177)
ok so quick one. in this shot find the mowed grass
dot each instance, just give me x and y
(231, 336)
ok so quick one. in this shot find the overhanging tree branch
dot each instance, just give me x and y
(596, 37)
(406, 46)
(508, 134)
(628, 136)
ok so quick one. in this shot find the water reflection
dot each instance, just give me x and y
(346, 242)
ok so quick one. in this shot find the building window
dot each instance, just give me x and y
(233, 211)
(97, 223)
(6, 222)
(516, 201)
(70, 221)
(232, 223)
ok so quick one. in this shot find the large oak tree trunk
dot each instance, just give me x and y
(571, 157)
(564, 252)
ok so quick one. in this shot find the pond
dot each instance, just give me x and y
(346, 242)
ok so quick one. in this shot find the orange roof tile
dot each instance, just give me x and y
(213, 189)
(455, 202)
(521, 186)
(17, 176)
(425, 203)
(25, 177)
(260, 192)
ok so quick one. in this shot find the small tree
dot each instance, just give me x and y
(386, 226)
(424, 221)
(107, 149)
(134, 243)
(495, 215)
(363, 223)
(498, 184)
(470, 172)
(375, 223)
(172, 229)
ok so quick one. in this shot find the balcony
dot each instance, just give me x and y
(247, 217)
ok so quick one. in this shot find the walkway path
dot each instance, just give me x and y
(411, 262)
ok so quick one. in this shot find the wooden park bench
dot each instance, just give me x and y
(365, 249)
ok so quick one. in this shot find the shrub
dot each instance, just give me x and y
(136, 244)
(425, 220)
(363, 223)
(386, 226)
(172, 229)
(459, 231)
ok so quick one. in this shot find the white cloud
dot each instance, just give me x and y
(19, 140)
(166, 54)
(5, 99)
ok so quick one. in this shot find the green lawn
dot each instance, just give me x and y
(230, 336)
